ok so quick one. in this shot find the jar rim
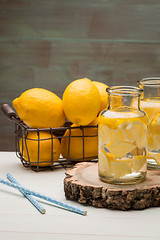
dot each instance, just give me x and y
(151, 81)
(124, 90)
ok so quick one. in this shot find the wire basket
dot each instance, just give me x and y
(22, 132)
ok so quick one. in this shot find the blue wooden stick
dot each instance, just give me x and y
(29, 197)
(42, 196)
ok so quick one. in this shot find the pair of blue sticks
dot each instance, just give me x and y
(30, 193)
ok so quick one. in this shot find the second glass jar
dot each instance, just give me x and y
(150, 103)
(122, 137)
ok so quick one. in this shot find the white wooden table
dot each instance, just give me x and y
(19, 219)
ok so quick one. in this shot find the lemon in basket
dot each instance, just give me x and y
(72, 147)
(29, 148)
(81, 101)
(40, 108)
(103, 94)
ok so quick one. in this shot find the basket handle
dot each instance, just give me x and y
(8, 111)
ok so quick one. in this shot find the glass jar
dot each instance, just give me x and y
(150, 103)
(122, 137)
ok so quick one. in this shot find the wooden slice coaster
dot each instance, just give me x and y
(83, 185)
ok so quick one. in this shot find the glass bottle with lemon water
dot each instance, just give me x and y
(122, 137)
(150, 103)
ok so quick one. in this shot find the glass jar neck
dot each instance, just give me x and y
(151, 87)
(124, 97)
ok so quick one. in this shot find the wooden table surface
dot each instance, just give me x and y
(19, 219)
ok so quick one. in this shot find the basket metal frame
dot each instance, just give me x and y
(22, 130)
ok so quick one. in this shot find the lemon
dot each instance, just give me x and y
(156, 139)
(113, 119)
(117, 136)
(103, 135)
(40, 108)
(154, 126)
(136, 132)
(153, 142)
(76, 143)
(107, 135)
(154, 134)
(45, 148)
(103, 162)
(111, 123)
(109, 166)
(127, 129)
(120, 168)
(103, 94)
(151, 106)
(116, 101)
(120, 150)
(138, 162)
(155, 156)
(81, 101)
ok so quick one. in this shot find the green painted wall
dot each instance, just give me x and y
(49, 43)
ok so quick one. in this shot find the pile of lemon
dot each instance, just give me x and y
(82, 101)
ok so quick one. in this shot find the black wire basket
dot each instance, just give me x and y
(22, 132)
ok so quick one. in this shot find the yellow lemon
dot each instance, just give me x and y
(40, 108)
(120, 168)
(108, 135)
(103, 162)
(75, 144)
(136, 132)
(155, 156)
(151, 106)
(116, 101)
(30, 146)
(109, 166)
(153, 142)
(103, 135)
(81, 101)
(154, 126)
(154, 134)
(103, 94)
(139, 162)
(111, 123)
(120, 150)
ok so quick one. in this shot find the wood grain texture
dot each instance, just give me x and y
(48, 44)
(83, 185)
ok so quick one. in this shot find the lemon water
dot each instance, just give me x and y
(122, 141)
(152, 107)
(150, 103)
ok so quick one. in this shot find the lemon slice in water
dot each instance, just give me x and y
(155, 156)
(120, 168)
(120, 150)
(154, 134)
(153, 142)
(103, 163)
(108, 135)
(138, 162)
(135, 132)
(104, 135)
